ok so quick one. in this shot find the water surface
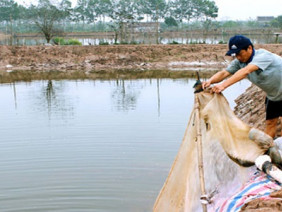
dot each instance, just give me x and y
(91, 145)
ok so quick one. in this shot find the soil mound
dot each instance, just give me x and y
(117, 57)
(250, 108)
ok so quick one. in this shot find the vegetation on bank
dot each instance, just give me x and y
(62, 41)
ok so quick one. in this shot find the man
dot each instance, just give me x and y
(262, 68)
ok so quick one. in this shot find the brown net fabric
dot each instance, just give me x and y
(224, 136)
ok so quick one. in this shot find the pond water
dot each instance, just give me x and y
(91, 145)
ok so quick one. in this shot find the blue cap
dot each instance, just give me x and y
(237, 43)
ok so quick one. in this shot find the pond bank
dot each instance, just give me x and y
(118, 61)
(251, 109)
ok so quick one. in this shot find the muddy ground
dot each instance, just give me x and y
(118, 61)
(250, 108)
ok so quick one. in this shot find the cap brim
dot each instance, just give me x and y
(232, 51)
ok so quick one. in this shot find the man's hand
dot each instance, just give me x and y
(218, 77)
(218, 88)
(206, 84)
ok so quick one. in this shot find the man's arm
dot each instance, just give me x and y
(239, 75)
(218, 77)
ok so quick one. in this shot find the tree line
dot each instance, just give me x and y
(48, 16)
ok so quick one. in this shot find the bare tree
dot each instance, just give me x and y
(46, 16)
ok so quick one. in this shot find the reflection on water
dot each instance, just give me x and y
(125, 95)
(91, 145)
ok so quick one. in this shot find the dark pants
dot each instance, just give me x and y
(273, 109)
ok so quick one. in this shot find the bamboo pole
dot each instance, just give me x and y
(200, 155)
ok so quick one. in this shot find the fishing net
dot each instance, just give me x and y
(225, 144)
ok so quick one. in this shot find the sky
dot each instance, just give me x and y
(247, 9)
(236, 9)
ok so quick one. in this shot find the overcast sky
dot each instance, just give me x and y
(246, 9)
(237, 9)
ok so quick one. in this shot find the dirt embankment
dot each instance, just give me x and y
(116, 61)
(250, 108)
(129, 57)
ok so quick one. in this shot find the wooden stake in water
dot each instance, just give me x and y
(204, 199)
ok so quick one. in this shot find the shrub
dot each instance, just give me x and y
(101, 42)
(73, 42)
(59, 41)
(174, 42)
(222, 42)
(134, 43)
(62, 41)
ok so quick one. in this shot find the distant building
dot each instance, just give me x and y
(265, 19)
